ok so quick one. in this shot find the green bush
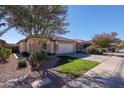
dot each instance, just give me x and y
(37, 57)
(100, 50)
(112, 48)
(22, 64)
(93, 50)
(5, 52)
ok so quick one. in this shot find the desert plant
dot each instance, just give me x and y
(5, 52)
(21, 64)
(37, 57)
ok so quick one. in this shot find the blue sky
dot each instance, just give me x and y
(85, 22)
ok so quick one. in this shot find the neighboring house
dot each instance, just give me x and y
(54, 45)
(81, 45)
(2, 42)
(13, 47)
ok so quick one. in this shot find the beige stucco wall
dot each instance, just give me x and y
(34, 44)
(22, 46)
(52, 47)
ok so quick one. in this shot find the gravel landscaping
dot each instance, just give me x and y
(9, 70)
(11, 77)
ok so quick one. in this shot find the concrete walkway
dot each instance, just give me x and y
(109, 74)
(97, 58)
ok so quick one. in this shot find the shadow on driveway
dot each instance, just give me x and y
(97, 82)
(104, 79)
(58, 80)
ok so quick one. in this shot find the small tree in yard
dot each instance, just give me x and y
(40, 20)
(104, 40)
(101, 41)
(37, 20)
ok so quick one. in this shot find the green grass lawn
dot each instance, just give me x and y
(74, 66)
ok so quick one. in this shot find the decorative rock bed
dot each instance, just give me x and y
(10, 75)
(12, 83)
(18, 80)
(40, 83)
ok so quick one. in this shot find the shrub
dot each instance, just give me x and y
(93, 50)
(112, 49)
(100, 50)
(37, 57)
(25, 54)
(22, 64)
(5, 52)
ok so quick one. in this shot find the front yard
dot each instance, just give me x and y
(74, 66)
(68, 68)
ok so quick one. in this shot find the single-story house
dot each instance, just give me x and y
(3, 42)
(81, 45)
(54, 45)
(13, 47)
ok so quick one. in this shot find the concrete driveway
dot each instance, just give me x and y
(109, 74)
(97, 58)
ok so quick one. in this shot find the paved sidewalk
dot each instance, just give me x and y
(109, 74)
(97, 58)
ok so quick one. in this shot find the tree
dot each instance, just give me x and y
(113, 37)
(41, 20)
(105, 40)
(2, 23)
(2, 32)
(37, 20)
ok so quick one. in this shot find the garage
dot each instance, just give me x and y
(65, 48)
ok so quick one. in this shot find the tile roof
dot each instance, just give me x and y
(51, 37)
(2, 41)
(62, 38)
